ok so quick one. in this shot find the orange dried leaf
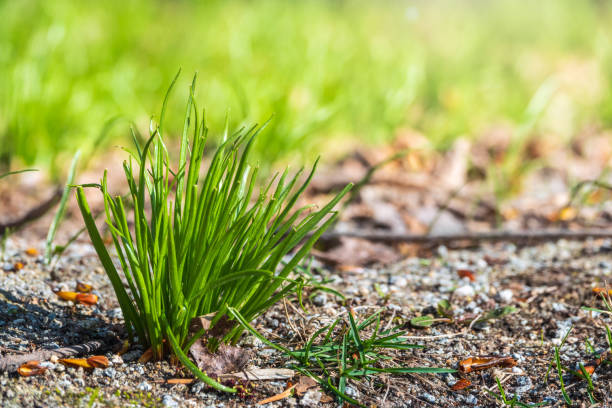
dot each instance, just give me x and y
(75, 362)
(598, 291)
(461, 384)
(180, 381)
(483, 363)
(31, 251)
(277, 397)
(83, 287)
(98, 361)
(567, 214)
(64, 295)
(146, 356)
(466, 273)
(589, 369)
(18, 265)
(31, 368)
(88, 299)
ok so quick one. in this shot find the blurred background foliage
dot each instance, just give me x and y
(334, 73)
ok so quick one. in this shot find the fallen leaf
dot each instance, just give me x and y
(422, 321)
(75, 362)
(466, 273)
(18, 266)
(227, 359)
(31, 251)
(259, 374)
(564, 214)
(304, 384)
(598, 291)
(83, 287)
(146, 356)
(357, 252)
(98, 361)
(461, 384)
(64, 295)
(31, 368)
(483, 363)
(88, 299)
(176, 381)
(277, 397)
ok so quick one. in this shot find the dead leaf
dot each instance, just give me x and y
(599, 291)
(564, 214)
(88, 299)
(304, 384)
(18, 266)
(260, 374)
(31, 368)
(75, 362)
(278, 397)
(31, 251)
(176, 381)
(83, 287)
(146, 356)
(64, 295)
(201, 322)
(227, 359)
(98, 361)
(483, 363)
(466, 273)
(461, 384)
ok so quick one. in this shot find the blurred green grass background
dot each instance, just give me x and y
(332, 72)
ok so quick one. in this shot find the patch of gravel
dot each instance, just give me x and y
(548, 284)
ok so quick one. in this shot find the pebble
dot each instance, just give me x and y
(145, 386)
(464, 291)
(471, 399)
(506, 295)
(169, 401)
(429, 398)
(110, 372)
(311, 398)
(524, 384)
(320, 299)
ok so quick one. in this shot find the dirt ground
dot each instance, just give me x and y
(514, 301)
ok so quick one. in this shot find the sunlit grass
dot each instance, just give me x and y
(202, 244)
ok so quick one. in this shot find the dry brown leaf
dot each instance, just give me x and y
(277, 397)
(304, 384)
(65, 295)
(98, 361)
(31, 368)
(146, 356)
(598, 291)
(466, 273)
(358, 252)
(31, 251)
(83, 287)
(259, 374)
(461, 384)
(483, 363)
(18, 266)
(75, 362)
(88, 299)
(178, 381)
(227, 359)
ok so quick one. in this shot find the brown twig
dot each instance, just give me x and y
(492, 236)
(33, 213)
(12, 361)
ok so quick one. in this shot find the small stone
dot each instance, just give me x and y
(8, 267)
(472, 400)
(197, 387)
(506, 295)
(145, 386)
(428, 397)
(9, 393)
(131, 355)
(351, 392)
(311, 398)
(320, 299)
(110, 372)
(169, 401)
(464, 291)
(524, 384)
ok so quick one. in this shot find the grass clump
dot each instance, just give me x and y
(200, 244)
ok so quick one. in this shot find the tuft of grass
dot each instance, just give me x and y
(202, 244)
(514, 402)
(346, 354)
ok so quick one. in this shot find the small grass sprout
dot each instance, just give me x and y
(202, 244)
(347, 353)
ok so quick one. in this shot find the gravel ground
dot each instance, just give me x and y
(547, 284)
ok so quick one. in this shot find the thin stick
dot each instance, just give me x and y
(33, 213)
(12, 361)
(492, 236)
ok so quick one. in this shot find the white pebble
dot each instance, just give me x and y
(464, 291)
